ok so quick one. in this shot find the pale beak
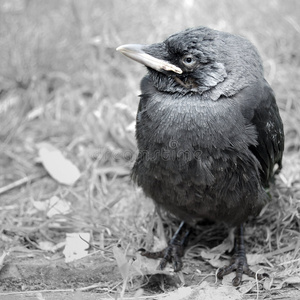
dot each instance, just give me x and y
(137, 53)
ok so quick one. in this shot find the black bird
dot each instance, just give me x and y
(209, 134)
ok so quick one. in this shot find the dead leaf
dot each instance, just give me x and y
(246, 287)
(255, 259)
(53, 206)
(293, 279)
(122, 262)
(58, 206)
(210, 291)
(205, 291)
(180, 294)
(227, 279)
(139, 267)
(268, 283)
(216, 263)
(59, 168)
(289, 280)
(212, 256)
(148, 266)
(2, 257)
(51, 247)
(46, 245)
(139, 293)
(76, 246)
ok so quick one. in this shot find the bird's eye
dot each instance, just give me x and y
(189, 60)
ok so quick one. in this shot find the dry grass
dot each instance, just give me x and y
(63, 82)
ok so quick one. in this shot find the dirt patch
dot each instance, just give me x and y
(92, 277)
(39, 273)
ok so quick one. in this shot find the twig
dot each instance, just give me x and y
(90, 287)
(289, 262)
(280, 251)
(37, 292)
(257, 286)
(53, 291)
(20, 182)
(95, 247)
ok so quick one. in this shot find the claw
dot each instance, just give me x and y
(239, 263)
(154, 255)
(173, 252)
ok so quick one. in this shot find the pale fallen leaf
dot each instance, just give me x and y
(212, 255)
(216, 263)
(2, 257)
(50, 246)
(58, 206)
(46, 245)
(210, 291)
(179, 294)
(124, 267)
(138, 267)
(59, 168)
(255, 259)
(246, 287)
(205, 291)
(227, 279)
(289, 280)
(268, 283)
(293, 279)
(122, 262)
(139, 293)
(146, 266)
(53, 206)
(159, 243)
(76, 246)
(41, 205)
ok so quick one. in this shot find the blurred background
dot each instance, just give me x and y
(62, 82)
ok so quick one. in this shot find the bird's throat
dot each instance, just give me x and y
(189, 83)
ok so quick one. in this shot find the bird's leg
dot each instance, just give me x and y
(238, 262)
(174, 250)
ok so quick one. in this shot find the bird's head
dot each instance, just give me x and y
(183, 63)
(198, 60)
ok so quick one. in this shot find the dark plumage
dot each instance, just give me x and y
(208, 131)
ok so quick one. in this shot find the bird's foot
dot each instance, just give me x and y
(238, 262)
(171, 254)
(175, 250)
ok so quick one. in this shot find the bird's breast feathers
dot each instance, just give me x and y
(192, 122)
(193, 139)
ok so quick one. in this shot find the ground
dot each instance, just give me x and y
(63, 84)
